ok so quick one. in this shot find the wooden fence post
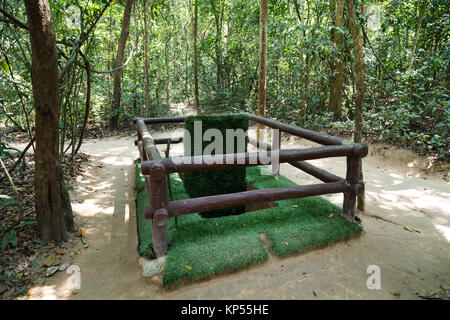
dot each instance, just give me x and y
(276, 147)
(158, 201)
(356, 186)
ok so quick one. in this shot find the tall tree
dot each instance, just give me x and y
(195, 35)
(337, 78)
(218, 8)
(417, 33)
(117, 93)
(262, 88)
(355, 30)
(53, 209)
(147, 77)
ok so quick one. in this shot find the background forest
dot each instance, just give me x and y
(406, 47)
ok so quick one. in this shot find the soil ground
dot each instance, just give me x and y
(401, 195)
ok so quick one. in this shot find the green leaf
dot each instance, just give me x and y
(13, 238)
(8, 202)
(4, 66)
(27, 223)
(4, 241)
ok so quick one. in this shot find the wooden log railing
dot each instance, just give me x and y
(156, 169)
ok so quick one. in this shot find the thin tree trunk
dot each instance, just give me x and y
(335, 103)
(87, 107)
(195, 35)
(147, 78)
(53, 209)
(416, 35)
(166, 62)
(262, 62)
(355, 30)
(218, 42)
(119, 62)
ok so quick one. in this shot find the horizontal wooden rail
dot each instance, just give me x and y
(148, 142)
(160, 120)
(299, 132)
(237, 160)
(166, 140)
(187, 206)
(318, 173)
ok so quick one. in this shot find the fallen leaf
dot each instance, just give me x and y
(406, 282)
(49, 260)
(275, 229)
(50, 246)
(411, 230)
(286, 243)
(189, 267)
(304, 273)
(295, 206)
(331, 215)
(262, 212)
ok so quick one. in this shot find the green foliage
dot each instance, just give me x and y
(9, 237)
(214, 182)
(403, 105)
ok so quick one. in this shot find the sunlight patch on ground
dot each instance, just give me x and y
(117, 161)
(445, 231)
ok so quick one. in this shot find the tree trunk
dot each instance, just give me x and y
(335, 103)
(147, 78)
(197, 101)
(218, 17)
(416, 35)
(355, 30)
(51, 196)
(262, 62)
(119, 62)
(166, 62)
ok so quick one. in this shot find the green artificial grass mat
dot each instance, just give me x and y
(201, 247)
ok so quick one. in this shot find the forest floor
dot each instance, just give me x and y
(406, 234)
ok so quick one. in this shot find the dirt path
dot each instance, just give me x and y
(411, 263)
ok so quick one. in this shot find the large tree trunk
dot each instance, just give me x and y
(119, 62)
(262, 62)
(53, 209)
(336, 84)
(355, 29)
(147, 77)
(197, 101)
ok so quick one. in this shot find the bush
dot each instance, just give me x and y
(208, 183)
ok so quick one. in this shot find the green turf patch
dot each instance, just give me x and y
(201, 247)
